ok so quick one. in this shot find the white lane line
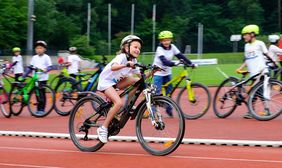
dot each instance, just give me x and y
(23, 165)
(146, 155)
(219, 142)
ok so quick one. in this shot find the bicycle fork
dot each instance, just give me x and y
(158, 124)
(191, 95)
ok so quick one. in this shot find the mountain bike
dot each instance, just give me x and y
(67, 89)
(233, 92)
(90, 112)
(194, 98)
(31, 94)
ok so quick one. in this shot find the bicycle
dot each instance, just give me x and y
(265, 100)
(4, 96)
(30, 94)
(67, 88)
(192, 96)
(90, 112)
(232, 92)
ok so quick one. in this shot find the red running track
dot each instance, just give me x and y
(34, 152)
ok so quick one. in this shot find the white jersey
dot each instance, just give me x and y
(168, 54)
(110, 78)
(254, 57)
(74, 60)
(273, 51)
(18, 68)
(41, 62)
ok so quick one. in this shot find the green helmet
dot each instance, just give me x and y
(165, 35)
(251, 29)
(16, 49)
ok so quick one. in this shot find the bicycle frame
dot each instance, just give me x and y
(175, 82)
(28, 87)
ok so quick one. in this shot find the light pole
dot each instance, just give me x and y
(30, 20)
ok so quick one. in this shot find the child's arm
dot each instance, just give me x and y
(181, 56)
(241, 67)
(116, 66)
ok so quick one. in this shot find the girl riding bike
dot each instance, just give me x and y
(119, 74)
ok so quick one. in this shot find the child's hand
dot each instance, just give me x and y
(238, 70)
(130, 64)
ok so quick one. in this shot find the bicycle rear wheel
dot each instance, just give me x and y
(16, 100)
(196, 108)
(263, 108)
(168, 134)
(84, 120)
(4, 103)
(224, 102)
(66, 96)
(36, 105)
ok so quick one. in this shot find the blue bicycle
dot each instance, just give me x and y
(67, 89)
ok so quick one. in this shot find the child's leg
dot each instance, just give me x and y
(42, 97)
(168, 90)
(112, 94)
(127, 82)
(158, 81)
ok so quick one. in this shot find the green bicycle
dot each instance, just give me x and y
(194, 98)
(39, 98)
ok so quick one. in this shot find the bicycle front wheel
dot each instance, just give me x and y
(16, 100)
(266, 103)
(224, 102)
(166, 135)
(4, 103)
(66, 96)
(84, 120)
(200, 103)
(41, 101)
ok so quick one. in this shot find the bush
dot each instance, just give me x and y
(82, 46)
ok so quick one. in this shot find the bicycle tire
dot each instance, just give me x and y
(78, 123)
(4, 103)
(16, 100)
(165, 145)
(68, 87)
(34, 100)
(262, 109)
(221, 99)
(201, 95)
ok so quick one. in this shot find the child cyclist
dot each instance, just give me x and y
(17, 63)
(119, 74)
(163, 59)
(73, 62)
(43, 62)
(274, 50)
(254, 52)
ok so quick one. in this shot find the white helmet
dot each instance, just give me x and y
(72, 49)
(129, 39)
(273, 38)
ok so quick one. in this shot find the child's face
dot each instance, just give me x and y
(135, 48)
(40, 50)
(247, 37)
(166, 42)
(17, 53)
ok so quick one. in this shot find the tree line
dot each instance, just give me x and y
(62, 23)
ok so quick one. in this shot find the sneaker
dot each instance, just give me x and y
(39, 112)
(102, 134)
(248, 116)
